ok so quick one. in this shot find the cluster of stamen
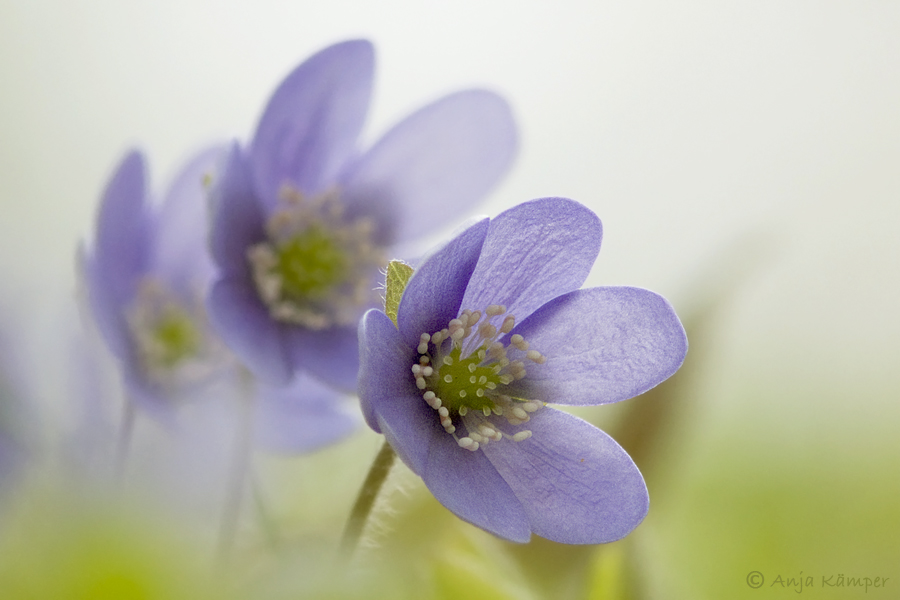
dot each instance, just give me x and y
(316, 267)
(463, 372)
(170, 336)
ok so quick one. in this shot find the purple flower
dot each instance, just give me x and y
(147, 274)
(305, 221)
(490, 328)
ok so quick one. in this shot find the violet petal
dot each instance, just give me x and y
(331, 355)
(237, 216)
(181, 247)
(446, 156)
(534, 252)
(602, 345)
(120, 255)
(302, 416)
(384, 376)
(243, 323)
(310, 126)
(432, 296)
(469, 485)
(577, 485)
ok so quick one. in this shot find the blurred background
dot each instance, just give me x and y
(743, 158)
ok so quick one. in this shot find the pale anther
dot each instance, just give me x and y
(522, 435)
(495, 309)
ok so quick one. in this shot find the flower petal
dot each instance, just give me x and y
(181, 247)
(331, 355)
(384, 371)
(302, 416)
(534, 252)
(244, 324)
(577, 485)
(310, 126)
(237, 216)
(432, 296)
(120, 255)
(148, 398)
(602, 345)
(469, 485)
(433, 166)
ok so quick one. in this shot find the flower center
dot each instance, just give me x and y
(464, 369)
(169, 337)
(316, 266)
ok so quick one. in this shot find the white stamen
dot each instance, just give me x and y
(494, 310)
(535, 356)
(473, 342)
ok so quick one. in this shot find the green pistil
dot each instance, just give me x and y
(463, 382)
(175, 338)
(311, 264)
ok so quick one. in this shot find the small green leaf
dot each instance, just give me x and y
(398, 274)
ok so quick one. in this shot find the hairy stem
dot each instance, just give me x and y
(362, 508)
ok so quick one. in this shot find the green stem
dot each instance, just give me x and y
(362, 508)
(239, 467)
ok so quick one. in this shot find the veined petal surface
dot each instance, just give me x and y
(576, 484)
(433, 294)
(534, 252)
(602, 345)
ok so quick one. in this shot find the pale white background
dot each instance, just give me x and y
(711, 137)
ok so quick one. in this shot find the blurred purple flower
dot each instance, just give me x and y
(147, 274)
(304, 221)
(490, 328)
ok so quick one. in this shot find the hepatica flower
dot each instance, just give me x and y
(147, 273)
(305, 220)
(490, 329)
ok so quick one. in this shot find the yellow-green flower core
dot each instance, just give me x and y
(464, 372)
(462, 382)
(311, 264)
(174, 338)
(315, 268)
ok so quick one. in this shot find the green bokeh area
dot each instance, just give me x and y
(823, 510)
(60, 544)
